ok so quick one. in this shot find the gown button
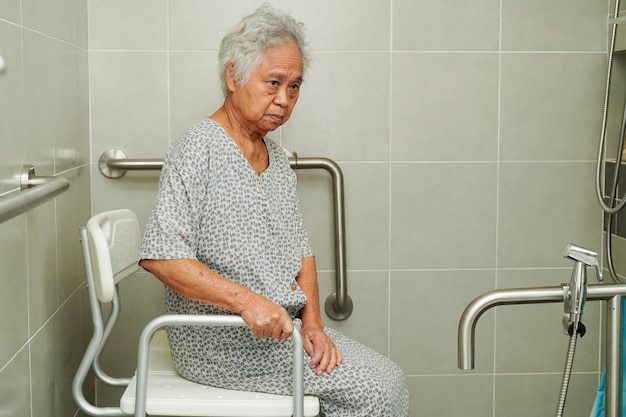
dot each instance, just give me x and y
(293, 286)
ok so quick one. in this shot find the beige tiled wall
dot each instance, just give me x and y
(467, 135)
(44, 121)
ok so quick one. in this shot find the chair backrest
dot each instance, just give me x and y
(114, 241)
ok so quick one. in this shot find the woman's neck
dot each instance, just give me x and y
(249, 143)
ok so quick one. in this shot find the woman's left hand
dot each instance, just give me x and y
(325, 356)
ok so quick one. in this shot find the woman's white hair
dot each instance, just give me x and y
(247, 41)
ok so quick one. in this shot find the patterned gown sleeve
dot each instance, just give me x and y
(172, 228)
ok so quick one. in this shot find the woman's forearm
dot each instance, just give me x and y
(307, 280)
(196, 281)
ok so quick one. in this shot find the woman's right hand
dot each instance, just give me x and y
(266, 318)
(196, 281)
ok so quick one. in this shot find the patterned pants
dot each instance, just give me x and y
(367, 384)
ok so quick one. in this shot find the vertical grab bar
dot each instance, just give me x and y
(614, 357)
(113, 163)
(338, 304)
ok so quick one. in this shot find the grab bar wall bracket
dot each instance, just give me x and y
(114, 163)
(33, 192)
(103, 163)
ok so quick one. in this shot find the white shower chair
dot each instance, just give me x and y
(110, 244)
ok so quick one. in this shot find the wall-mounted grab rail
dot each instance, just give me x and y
(114, 164)
(34, 191)
(611, 293)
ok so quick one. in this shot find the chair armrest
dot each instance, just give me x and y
(211, 321)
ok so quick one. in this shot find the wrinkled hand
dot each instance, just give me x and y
(325, 356)
(267, 319)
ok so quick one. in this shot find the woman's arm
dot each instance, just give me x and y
(196, 281)
(324, 354)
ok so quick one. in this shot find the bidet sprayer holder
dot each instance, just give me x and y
(577, 290)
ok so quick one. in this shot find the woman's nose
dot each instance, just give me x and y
(282, 97)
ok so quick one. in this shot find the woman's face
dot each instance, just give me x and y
(268, 98)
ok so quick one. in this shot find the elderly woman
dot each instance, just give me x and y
(226, 237)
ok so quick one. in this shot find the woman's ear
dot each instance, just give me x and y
(229, 76)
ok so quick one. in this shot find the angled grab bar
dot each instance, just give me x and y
(611, 293)
(34, 192)
(113, 163)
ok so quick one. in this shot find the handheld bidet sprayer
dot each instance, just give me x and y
(575, 300)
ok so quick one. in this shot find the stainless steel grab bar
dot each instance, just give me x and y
(113, 163)
(34, 192)
(611, 293)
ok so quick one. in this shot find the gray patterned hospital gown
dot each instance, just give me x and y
(213, 207)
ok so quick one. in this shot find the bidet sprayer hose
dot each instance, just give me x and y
(567, 372)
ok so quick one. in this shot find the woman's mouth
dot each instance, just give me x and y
(276, 118)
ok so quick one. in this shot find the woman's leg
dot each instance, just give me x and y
(367, 384)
